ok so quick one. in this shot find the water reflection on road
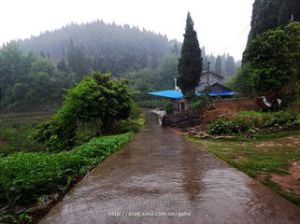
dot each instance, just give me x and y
(160, 178)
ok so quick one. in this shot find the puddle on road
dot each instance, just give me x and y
(160, 178)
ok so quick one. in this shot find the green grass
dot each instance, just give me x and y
(268, 155)
(259, 118)
(26, 177)
(17, 131)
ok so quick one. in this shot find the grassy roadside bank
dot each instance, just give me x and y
(273, 159)
(30, 180)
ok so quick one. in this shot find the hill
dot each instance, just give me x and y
(97, 45)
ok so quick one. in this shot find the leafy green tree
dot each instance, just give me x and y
(77, 60)
(96, 99)
(242, 80)
(272, 60)
(268, 54)
(62, 66)
(28, 81)
(190, 62)
(163, 77)
(167, 72)
(43, 65)
(12, 63)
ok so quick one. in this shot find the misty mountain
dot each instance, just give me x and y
(97, 45)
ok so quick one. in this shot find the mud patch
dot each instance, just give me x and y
(212, 115)
(291, 182)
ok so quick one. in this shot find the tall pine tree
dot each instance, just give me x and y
(190, 62)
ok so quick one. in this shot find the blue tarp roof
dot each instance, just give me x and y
(224, 93)
(173, 94)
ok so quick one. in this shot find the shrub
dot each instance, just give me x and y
(197, 104)
(96, 99)
(169, 108)
(247, 120)
(282, 118)
(221, 127)
(190, 95)
(24, 177)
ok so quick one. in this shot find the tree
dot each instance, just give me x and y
(43, 65)
(229, 66)
(218, 68)
(107, 47)
(190, 62)
(77, 60)
(270, 14)
(272, 60)
(96, 100)
(62, 66)
(28, 81)
(175, 49)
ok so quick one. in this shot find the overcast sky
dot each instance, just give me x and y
(222, 25)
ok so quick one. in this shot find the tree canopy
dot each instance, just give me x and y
(190, 62)
(271, 61)
(269, 14)
(112, 48)
(97, 100)
(29, 80)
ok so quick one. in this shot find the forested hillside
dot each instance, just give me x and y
(271, 59)
(30, 82)
(269, 14)
(100, 46)
(35, 72)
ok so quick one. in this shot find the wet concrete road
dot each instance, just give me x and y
(160, 178)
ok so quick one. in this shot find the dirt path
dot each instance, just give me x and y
(160, 178)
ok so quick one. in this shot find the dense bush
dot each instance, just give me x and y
(222, 127)
(25, 177)
(170, 108)
(281, 118)
(263, 120)
(96, 100)
(197, 104)
(247, 120)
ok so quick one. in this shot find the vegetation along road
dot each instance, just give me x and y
(161, 178)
